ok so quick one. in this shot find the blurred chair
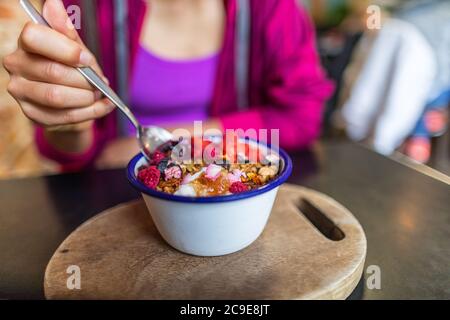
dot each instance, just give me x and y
(397, 87)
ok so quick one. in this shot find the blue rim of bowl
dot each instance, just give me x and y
(287, 170)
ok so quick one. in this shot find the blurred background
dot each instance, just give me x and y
(393, 81)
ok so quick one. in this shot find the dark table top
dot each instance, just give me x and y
(405, 214)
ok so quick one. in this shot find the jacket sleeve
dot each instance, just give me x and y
(295, 84)
(68, 161)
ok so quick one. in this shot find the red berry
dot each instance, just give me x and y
(157, 157)
(150, 177)
(238, 187)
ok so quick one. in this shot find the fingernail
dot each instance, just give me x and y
(97, 95)
(110, 106)
(85, 58)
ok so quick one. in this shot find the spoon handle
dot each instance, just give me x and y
(87, 72)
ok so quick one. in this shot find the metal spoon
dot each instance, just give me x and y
(149, 137)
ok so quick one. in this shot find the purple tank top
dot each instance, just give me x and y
(166, 92)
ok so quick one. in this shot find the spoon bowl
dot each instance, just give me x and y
(152, 137)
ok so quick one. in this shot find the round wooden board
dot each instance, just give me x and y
(122, 256)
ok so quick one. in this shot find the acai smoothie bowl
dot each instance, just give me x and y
(210, 197)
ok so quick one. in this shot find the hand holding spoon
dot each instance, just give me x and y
(149, 137)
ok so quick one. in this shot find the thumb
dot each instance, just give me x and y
(56, 15)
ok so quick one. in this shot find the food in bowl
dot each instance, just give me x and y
(212, 225)
(219, 171)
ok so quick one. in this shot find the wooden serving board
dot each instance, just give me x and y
(122, 256)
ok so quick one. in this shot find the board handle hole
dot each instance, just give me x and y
(319, 220)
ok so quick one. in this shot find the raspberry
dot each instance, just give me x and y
(157, 157)
(238, 187)
(150, 177)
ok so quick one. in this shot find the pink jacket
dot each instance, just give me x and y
(287, 87)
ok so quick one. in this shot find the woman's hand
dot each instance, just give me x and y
(117, 153)
(49, 90)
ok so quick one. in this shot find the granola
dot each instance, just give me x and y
(230, 173)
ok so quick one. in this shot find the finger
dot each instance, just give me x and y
(53, 45)
(50, 117)
(51, 95)
(38, 68)
(56, 15)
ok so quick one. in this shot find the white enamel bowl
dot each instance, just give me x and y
(211, 226)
